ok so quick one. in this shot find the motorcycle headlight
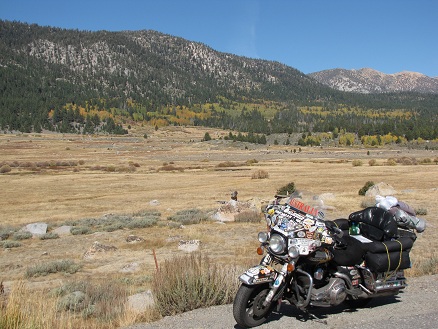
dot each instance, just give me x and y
(263, 237)
(293, 252)
(277, 244)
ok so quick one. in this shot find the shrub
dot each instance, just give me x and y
(424, 266)
(5, 232)
(421, 211)
(104, 301)
(141, 223)
(189, 216)
(248, 216)
(65, 266)
(372, 162)
(24, 235)
(81, 230)
(260, 174)
(191, 282)
(391, 162)
(170, 167)
(113, 222)
(147, 213)
(406, 161)
(366, 187)
(10, 244)
(251, 162)
(287, 189)
(113, 227)
(227, 164)
(49, 236)
(5, 169)
(357, 163)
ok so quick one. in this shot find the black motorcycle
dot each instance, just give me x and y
(309, 261)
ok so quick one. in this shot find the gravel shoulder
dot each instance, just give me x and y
(415, 307)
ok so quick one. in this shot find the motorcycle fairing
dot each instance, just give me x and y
(258, 274)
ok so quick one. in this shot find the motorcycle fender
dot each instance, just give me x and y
(258, 274)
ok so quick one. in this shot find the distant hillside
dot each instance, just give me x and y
(146, 65)
(368, 81)
(75, 81)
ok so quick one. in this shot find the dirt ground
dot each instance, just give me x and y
(54, 178)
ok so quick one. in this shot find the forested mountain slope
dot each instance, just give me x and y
(82, 81)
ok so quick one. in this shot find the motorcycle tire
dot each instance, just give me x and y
(248, 310)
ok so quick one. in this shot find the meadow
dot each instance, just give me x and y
(74, 179)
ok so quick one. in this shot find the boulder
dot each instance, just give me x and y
(228, 210)
(62, 230)
(381, 188)
(141, 301)
(36, 228)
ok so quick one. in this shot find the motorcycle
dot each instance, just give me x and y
(311, 262)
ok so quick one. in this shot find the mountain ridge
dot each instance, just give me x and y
(71, 81)
(368, 81)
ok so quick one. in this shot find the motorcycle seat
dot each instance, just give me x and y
(375, 223)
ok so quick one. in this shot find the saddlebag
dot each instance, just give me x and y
(388, 255)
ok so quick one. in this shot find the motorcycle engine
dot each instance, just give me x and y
(331, 294)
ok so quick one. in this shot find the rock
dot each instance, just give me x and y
(133, 239)
(141, 301)
(36, 228)
(327, 196)
(228, 210)
(62, 230)
(97, 248)
(154, 203)
(189, 245)
(130, 268)
(381, 188)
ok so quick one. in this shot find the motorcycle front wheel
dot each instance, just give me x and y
(248, 309)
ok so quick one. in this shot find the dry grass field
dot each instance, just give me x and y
(57, 178)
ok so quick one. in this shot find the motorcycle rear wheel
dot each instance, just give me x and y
(248, 310)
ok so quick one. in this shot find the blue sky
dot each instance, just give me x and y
(310, 35)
